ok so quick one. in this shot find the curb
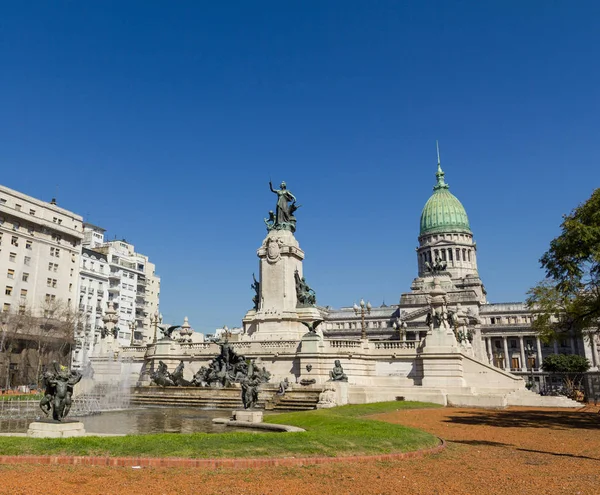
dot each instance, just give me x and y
(209, 463)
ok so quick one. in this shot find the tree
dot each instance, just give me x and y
(570, 366)
(30, 340)
(568, 300)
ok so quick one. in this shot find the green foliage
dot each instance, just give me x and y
(565, 363)
(330, 432)
(569, 299)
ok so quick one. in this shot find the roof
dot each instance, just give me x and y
(443, 212)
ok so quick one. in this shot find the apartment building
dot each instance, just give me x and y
(40, 246)
(133, 286)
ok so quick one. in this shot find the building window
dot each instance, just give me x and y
(23, 292)
(30, 229)
(32, 212)
(53, 267)
(458, 255)
(25, 277)
(16, 225)
(464, 255)
(14, 241)
(12, 257)
(6, 308)
(515, 363)
(11, 273)
(27, 260)
(55, 252)
(449, 254)
(513, 344)
(8, 290)
(469, 255)
(17, 207)
(28, 245)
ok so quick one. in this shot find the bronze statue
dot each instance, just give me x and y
(284, 212)
(256, 287)
(312, 326)
(167, 331)
(337, 374)
(305, 295)
(58, 393)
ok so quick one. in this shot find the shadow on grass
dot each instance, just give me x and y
(529, 419)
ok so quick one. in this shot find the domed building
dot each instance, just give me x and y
(500, 333)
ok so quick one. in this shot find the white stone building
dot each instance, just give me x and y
(93, 299)
(133, 286)
(40, 246)
(502, 332)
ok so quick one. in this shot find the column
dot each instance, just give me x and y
(572, 344)
(487, 349)
(538, 362)
(522, 349)
(555, 347)
(594, 351)
(506, 356)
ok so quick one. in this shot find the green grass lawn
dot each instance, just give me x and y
(332, 432)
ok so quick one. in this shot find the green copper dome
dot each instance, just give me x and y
(443, 212)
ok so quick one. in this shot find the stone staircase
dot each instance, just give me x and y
(294, 400)
(531, 399)
(224, 398)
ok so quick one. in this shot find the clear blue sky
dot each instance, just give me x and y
(163, 122)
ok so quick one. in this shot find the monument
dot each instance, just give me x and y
(58, 384)
(283, 299)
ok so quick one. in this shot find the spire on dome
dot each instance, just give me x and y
(439, 175)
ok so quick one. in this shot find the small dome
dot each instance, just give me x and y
(443, 212)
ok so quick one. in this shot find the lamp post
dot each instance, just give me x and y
(364, 309)
(132, 328)
(155, 320)
(530, 351)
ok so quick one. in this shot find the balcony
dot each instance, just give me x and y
(113, 288)
(100, 292)
(115, 275)
(83, 290)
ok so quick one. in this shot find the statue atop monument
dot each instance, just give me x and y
(283, 218)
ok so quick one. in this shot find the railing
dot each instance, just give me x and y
(277, 344)
(409, 344)
(196, 346)
(345, 344)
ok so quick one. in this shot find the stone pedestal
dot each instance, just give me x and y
(278, 316)
(248, 416)
(55, 429)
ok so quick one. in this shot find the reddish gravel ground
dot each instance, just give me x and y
(513, 451)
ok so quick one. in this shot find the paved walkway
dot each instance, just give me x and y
(514, 451)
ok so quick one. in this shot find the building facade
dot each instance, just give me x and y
(40, 246)
(132, 286)
(500, 333)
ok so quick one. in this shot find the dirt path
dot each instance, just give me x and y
(514, 451)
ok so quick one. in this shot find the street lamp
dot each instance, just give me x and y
(530, 351)
(155, 320)
(132, 328)
(362, 311)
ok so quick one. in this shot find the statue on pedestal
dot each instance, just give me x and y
(283, 219)
(337, 374)
(306, 296)
(256, 287)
